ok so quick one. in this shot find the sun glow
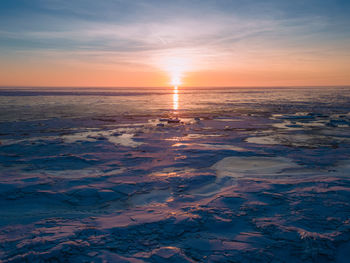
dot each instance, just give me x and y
(176, 80)
(175, 64)
(176, 68)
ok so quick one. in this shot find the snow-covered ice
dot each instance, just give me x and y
(108, 178)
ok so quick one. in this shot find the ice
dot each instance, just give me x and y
(249, 179)
(263, 140)
(208, 146)
(248, 166)
(112, 136)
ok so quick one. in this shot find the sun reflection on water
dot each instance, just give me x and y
(176, 98)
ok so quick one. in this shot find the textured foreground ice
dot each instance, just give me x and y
(249, 175)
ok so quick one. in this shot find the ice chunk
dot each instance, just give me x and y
(124, 140)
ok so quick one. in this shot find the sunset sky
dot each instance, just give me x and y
(160, 43)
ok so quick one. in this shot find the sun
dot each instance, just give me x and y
(175, 65)
(176, 80)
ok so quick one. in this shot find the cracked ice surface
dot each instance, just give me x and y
(250, 179)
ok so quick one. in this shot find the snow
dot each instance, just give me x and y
(246, 180)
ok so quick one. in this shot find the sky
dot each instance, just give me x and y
(158, 43)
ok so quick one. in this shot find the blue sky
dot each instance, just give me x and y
(124, 34)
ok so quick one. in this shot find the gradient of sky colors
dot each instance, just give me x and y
(151, 43)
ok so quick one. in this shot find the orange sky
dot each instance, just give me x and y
(140, 44)
(90, 74)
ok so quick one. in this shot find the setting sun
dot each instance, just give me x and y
(176, 65)
(176, 80)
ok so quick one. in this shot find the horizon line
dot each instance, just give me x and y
(172, 86)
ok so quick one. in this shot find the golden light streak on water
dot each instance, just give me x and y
(176, 98)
